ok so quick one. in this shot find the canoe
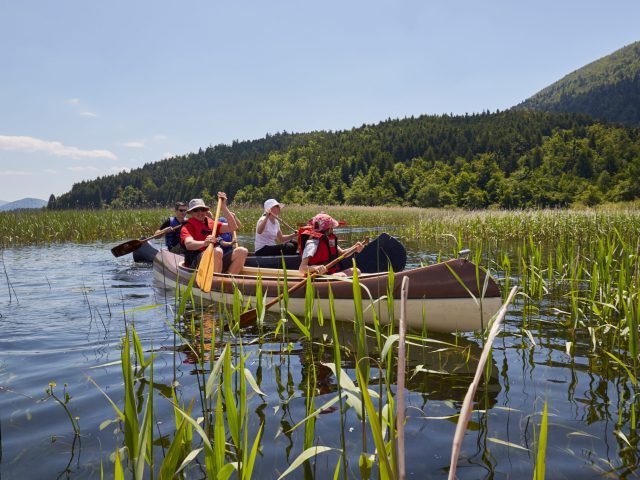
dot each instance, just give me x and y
(375, 257)
(145, 253)
(438, 299)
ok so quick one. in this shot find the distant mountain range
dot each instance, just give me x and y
(22, 204)
(607, 89)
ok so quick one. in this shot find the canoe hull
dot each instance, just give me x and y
(437, 302)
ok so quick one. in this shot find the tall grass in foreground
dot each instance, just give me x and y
(219, 438)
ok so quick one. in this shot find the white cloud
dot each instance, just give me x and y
(133, 144)
(88, 114)
(31, 145)
(13, 173)
(73, 101)
(159, 137)
(168, 155)
(83, 168)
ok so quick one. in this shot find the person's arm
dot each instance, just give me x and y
(286, 238)
(164, 226)
(359, 246)
(232, 222)
(262, 223)
(309, 251)
(186, 236)
(192, 244)
(309, 269)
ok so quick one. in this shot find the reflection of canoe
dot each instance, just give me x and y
(442, 367)
(372, 259)
(437, 301)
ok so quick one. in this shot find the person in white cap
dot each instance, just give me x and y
(269, 239)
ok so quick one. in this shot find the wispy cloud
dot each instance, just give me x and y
(88, 114)
(73, 101)
(133, 144)
(83, 168)
(31, 145)
(159, 137)
(168, 155)
(13, 173)
(49, 170)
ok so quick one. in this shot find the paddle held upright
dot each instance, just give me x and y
(204, 275)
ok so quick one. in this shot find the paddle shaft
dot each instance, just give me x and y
(285, 223)
(131, 245)
(251, 315)
(206, 266)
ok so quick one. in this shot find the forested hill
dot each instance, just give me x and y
(509, 159)
(607, 89)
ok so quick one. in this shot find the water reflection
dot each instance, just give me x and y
(70, 318)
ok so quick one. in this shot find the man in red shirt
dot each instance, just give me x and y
(196, 235)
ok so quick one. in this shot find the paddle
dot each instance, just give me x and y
(204, 276)
(285, 223)
(131, 245)
(250, 315)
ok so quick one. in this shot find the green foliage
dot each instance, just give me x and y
(512, 159)
(608, 88)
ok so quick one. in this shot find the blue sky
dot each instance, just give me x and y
(91, 88)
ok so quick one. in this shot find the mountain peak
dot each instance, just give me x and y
(607, 89)
(24, 203)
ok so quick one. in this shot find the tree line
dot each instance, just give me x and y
(509, 159)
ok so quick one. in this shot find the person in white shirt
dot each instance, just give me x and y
(269, 239)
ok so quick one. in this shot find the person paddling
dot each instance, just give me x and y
(196, 235)
(269, 239)
(319, 245)
(172, 238)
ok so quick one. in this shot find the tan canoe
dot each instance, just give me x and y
(437, 300)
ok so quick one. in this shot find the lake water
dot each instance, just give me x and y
(63, 311)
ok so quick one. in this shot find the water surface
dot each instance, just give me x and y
(63, 311)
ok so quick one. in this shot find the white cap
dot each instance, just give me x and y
(272, 202)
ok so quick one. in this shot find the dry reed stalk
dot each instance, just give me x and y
(467, 405)
(402, 362)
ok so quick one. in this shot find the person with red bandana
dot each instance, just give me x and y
(196, 235)
(319, 245)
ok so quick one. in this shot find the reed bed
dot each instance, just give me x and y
(578, 276)
(218, 434)
(490, 227)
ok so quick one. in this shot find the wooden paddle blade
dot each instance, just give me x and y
(249, 317)
(127, 247)
(204, 275)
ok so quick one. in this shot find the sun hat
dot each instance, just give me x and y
(322, 222)
(272, 202)
(196, 203)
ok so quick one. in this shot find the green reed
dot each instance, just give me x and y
(579, 269)
(64, 403)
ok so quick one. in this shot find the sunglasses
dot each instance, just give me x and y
(195, 210)
(182, 210)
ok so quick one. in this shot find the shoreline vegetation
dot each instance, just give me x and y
(37, 227)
